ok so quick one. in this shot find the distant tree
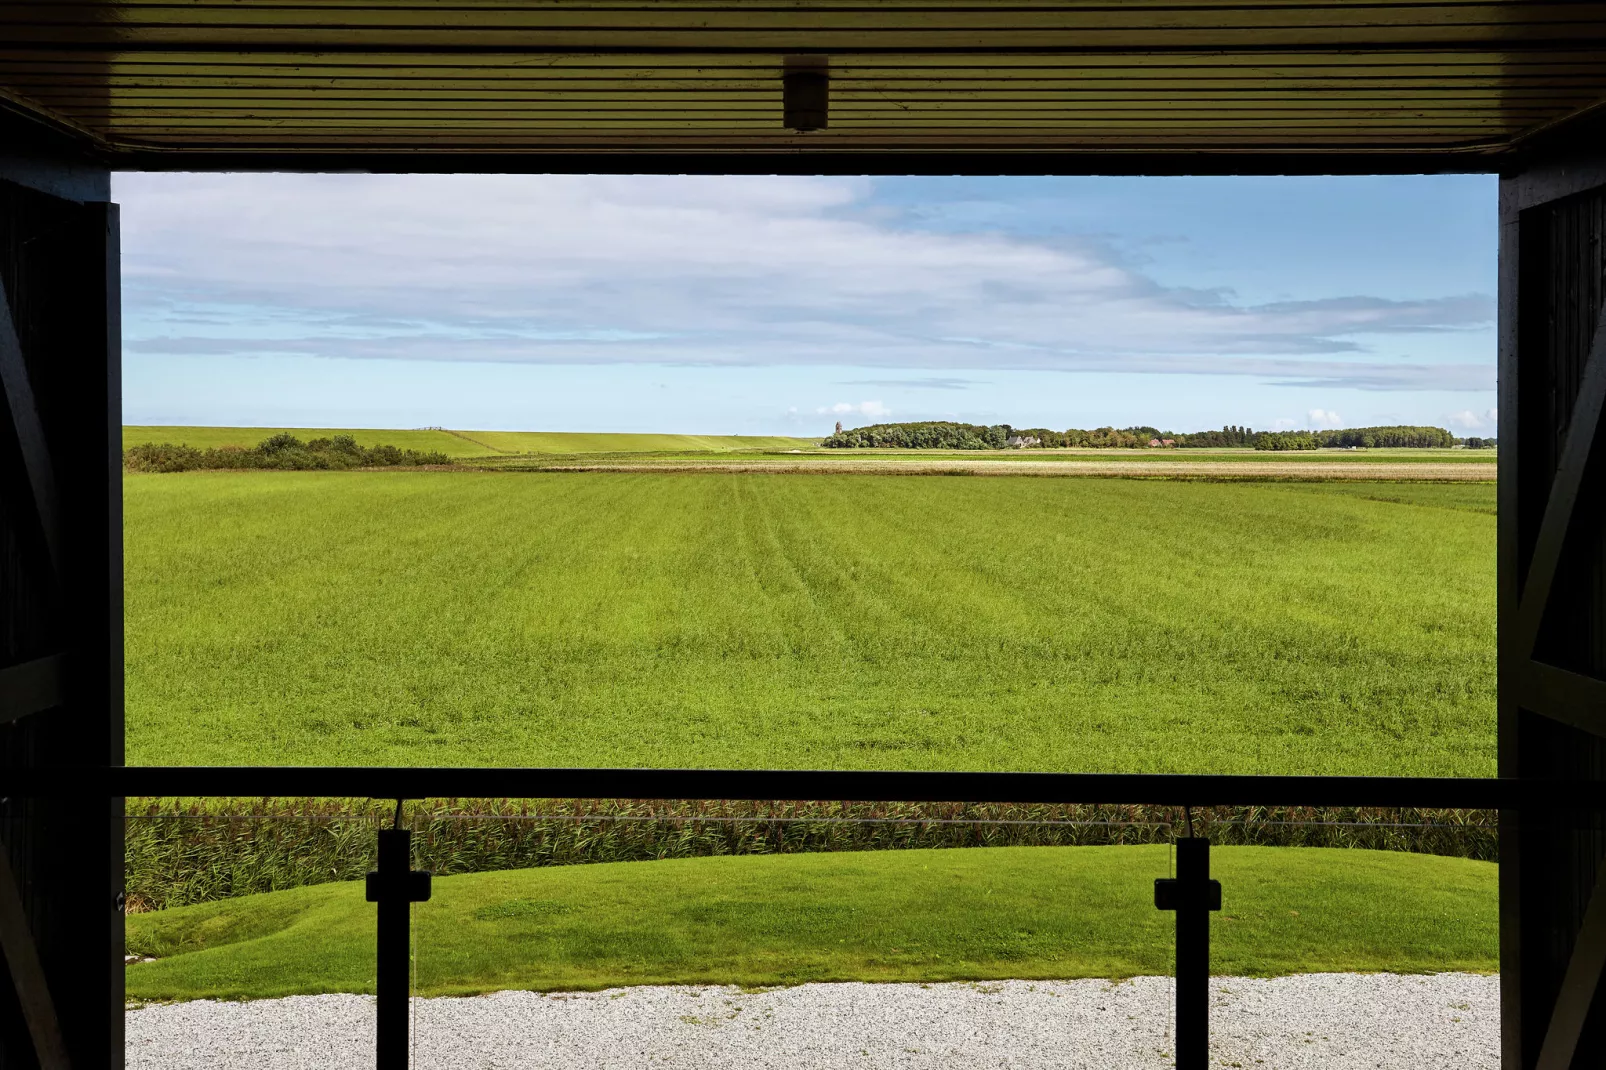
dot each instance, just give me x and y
(1394, 437)
(941, 434)
(932, 435)
(1285, 440)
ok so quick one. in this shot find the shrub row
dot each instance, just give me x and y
(179, 853)
(281, 451)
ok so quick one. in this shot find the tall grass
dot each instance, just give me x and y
(809, 622)
(180, 853)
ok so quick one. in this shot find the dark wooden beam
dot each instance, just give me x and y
(1569, 697)
(1508, 596)
(1568, 799)
(1332, 161)
(1558, 161)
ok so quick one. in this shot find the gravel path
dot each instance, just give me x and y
(1332, 1021)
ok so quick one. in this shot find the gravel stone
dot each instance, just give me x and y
(1331, 1021)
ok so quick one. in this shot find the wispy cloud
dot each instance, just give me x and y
(848, 408)
(1468, 420)
(927, 383)
(702, 271)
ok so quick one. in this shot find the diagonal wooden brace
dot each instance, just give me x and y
(18, 389)
(27, 975)
(1578, 985)
(1564, 490)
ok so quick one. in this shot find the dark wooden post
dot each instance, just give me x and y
(1193, 895)
(1552, 592)
(61, 623)
(395, 886)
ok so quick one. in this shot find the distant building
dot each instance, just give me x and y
(1154, 443)
(1020, 442)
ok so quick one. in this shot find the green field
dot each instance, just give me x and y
(847, 621)
(467, 444)
(977, 914)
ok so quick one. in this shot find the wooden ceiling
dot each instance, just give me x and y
(188, 78)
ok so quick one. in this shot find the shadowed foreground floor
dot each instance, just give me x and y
(1331, 1021)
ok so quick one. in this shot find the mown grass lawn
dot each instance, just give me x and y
(809, 621)
(974, 914)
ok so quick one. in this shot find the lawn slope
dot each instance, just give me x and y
(809, 621)
(975, 914)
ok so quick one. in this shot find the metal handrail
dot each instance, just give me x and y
(1164, 789)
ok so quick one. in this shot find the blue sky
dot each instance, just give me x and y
(776, 305)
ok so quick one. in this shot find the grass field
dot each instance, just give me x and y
(979, 914)
(466, 445)
(851, 621)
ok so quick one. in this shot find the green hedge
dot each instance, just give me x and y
(178, 853)
(282, 451)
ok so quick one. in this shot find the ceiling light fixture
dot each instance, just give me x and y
(806, 97)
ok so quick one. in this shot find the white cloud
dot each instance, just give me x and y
(1467, 420)
(863, 408)
(696, 270)
(1325, 418)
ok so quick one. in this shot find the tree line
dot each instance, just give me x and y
(948, 435)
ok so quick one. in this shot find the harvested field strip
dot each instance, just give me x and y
(989, 913)
(1218, 471)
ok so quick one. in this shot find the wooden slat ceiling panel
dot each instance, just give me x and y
(929, 75)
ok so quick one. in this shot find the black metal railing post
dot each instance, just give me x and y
(395, 886)
(1193, 895)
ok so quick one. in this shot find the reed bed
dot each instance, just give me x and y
(181, 852)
